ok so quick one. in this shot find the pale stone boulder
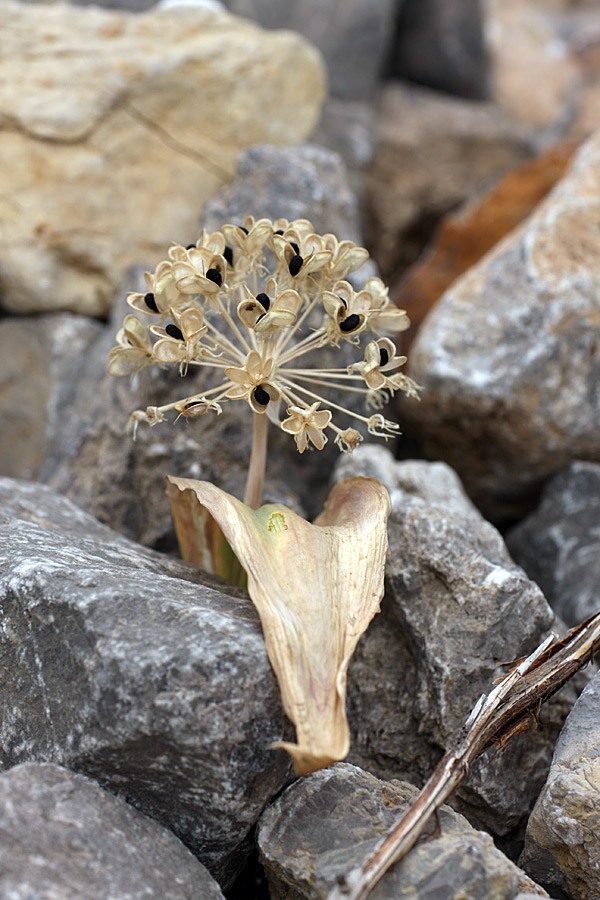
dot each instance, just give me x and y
(115, 128)
(508, 358)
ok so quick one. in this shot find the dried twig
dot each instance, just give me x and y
(505, 712)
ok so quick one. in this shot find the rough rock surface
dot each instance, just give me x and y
(509, 356)
(116, 127)
(326, 823)
(304, 182)
(562, 847)
(41, 361)
(433, 152)
(352, 35)
(558, 545)
(136, 670)
(63, 836)
(441, 45)
(456, 608)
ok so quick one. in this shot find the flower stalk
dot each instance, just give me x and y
(258, 461)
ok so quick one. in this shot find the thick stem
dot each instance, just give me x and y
(258, 459)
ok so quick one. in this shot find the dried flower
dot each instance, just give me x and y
(245, 301)
(308, 425)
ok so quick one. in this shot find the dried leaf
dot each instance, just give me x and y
(316, 588)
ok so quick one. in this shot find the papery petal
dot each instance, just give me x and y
(127, 360)
(136, 332)
(254, 363)
(191, 323)
(275, 319)
(240, 376)
(316, 436)
(167, 350)
(316, 588)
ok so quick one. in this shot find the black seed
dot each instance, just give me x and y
(191, 247)
(174, 332)
(215, 276)
(245, 230)
(280, 231)
(295, 247)
(261, 396)
(264, 301)
(150, 301)
(350, 323)
(343, 301)
(384, 356)
(228, 254)
(295, 264)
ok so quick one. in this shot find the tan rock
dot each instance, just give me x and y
(463, 237)
(115, 128)
(434, 152)
(509, 356)
(534, 77)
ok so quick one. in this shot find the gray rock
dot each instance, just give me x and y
(326, 823)
(441, 45)
(349, 128)
(137, 670)
(508, 357)
(433, 153)
(456, 608)
(41, 361)
(558, 545)
(562, 847)
(61, 836)
(353, 36)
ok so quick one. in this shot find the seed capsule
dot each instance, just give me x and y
(261, 396)
(264, 300)
(174, 332)
(295, 264)
(215, 276)
(350, 323)
(150, 301)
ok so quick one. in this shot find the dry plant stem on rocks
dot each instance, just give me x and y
(507, 710)
(246, 303)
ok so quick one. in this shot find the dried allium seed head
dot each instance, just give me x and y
(243, 301)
